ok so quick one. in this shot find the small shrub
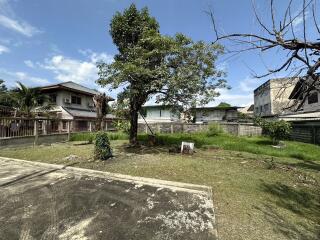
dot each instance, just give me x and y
(276, 130)
(122, 125)
(214, 129)
(102, 148)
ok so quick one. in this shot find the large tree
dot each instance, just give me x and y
(175, 70)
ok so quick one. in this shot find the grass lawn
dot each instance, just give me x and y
(256, 196)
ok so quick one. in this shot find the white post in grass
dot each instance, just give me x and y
(69, 129)
(35, 132)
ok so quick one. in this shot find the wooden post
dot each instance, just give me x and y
(44, 127)
(35, 132)
(69, 129)
(90, 126)
(60, 126)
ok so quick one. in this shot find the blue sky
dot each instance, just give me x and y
(44, 42)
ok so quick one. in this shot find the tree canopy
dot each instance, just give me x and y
(174, 70)
(224, 105)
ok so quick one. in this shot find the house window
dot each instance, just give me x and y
(76, 100)
(64, 125)
(53, 98)
(266, 107)
(313, 98)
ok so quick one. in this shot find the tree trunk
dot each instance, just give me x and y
(133, 127)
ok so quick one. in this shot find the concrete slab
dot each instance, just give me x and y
(44, 201)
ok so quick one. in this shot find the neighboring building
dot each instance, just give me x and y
(248, 110)
(213, 114)
(272, 97)
(159, 113)
(312, 102)
(310, 109)
(73, 102)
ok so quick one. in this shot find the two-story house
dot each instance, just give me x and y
(72, 102)
(272, 97)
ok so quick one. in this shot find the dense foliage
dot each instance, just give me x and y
(26, 101)
(277, 130)
(176, 70)
(102, 148)
(223, 105)
(214, 129)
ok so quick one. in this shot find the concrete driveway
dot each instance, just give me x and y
(43, 201)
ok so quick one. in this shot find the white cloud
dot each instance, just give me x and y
(3, 49)
(10, 21)
(234, 99)
(12, 77)
(96, 57)
(248, 84)
(70, 69)
(29, 63)
(296, 23)
(240, 95)
(21, 27)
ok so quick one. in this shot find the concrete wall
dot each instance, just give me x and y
(232, 128)
(30, 140)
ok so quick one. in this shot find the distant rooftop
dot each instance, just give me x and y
(70, 86)
(281, 80)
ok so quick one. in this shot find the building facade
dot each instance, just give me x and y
(272, 97)
(73, 102)
(159, 113)
(214, 114)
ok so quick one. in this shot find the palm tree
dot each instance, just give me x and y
(27, 100)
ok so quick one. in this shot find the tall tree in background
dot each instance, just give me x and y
(280, 34)
(6, 99)
(176, 70)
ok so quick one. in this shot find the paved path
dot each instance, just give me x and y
(42, 201)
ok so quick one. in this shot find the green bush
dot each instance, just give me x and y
(122, 125)
(102, 148)
(276, 130)
(214, 129)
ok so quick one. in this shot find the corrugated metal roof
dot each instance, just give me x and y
(78, 87)
(85, 114)
(307, 116)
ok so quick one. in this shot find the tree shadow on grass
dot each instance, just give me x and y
(304, 202)
(307, 164)
(142, 149)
